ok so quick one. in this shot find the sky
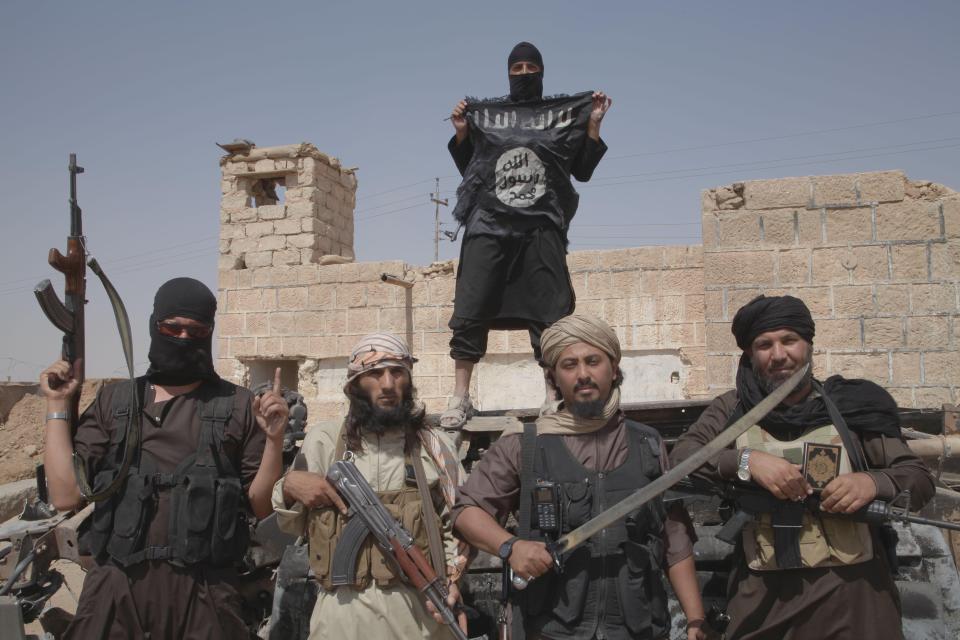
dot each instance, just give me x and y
(704, 94)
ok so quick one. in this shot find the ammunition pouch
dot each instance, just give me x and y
(206, 519)
(620, 572)
(326, 527)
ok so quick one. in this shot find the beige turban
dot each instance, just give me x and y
(579, 327)
(378, 351)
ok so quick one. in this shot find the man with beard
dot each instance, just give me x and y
(513, 270)
(167, 543)
(402, 459)
(829, 576)
(590, 456)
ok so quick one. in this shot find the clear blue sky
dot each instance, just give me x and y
(705, 93)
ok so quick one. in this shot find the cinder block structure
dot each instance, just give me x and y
(284, 205)
(875, 255)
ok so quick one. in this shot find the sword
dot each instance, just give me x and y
(622, 509)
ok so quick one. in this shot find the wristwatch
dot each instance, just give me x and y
(743, 469)
(506, 549)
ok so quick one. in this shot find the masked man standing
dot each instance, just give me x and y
(831, 578)
(402, 458)
(586, 457)
(513, 270)
(167, 542)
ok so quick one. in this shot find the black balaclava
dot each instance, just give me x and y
(178, 361)
(527, 86)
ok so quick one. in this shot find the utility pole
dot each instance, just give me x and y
(435, 198)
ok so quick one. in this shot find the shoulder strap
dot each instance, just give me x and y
(341, 445)
(528, 456)
(434, 541)
(528, 453)
(215, 408)
(857, 458)
(121, 405)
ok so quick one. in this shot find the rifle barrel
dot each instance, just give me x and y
(76, 221)
(942, 524)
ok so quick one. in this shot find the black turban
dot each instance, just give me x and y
(181, 361)
(765, 313)
(525, 52)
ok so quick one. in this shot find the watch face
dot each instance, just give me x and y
(505, 549)
(743, 474)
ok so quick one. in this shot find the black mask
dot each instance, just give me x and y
(526, 86)
(180, 361)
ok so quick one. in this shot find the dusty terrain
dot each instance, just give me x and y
(21, 435)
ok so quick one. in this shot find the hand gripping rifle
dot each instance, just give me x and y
(68, 317)
(370, 517)
(752, 501)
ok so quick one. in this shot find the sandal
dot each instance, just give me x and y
(459, 410)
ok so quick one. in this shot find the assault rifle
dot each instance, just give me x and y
(67, 316)
(751, 501)
(370, 517)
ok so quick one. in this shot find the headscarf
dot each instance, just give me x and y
(864, 405)
(768, 313)
(181, 361)
(573, 329)
(378, 351)
(381, 350)
(578, 327)
(526, 86)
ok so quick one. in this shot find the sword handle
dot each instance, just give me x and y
(519, 582)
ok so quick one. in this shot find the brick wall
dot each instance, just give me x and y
(313, 314)
(314, 219)
(875, 256)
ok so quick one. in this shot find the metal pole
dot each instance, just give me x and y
(435, 198)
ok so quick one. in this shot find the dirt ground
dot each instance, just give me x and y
(21, 436)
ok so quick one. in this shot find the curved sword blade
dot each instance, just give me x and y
(623, 508)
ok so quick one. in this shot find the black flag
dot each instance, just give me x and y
(522, 157)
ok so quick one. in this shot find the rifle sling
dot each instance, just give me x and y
(434, 540)
(857, 458)
(131, 438)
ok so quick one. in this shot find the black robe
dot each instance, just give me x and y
(513, 270)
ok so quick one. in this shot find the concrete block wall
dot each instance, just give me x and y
(312, 315)
(875, 256)
(314, 219)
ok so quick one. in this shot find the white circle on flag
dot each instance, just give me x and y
(521, 178)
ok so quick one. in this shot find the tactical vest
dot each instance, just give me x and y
(207, 510)
(825, 540)
(325, 528)
(614, 584)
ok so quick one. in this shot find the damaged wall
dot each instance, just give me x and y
(314, 313)
(876, 256)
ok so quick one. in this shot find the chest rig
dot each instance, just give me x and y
(415, 507)
(195, 514)
(613, 585)
(820, 540)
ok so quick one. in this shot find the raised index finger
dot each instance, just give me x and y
(276, 380)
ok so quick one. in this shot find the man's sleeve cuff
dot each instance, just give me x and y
(886, 489)
(727, 463)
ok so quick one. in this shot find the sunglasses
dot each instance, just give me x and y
(175, 330)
